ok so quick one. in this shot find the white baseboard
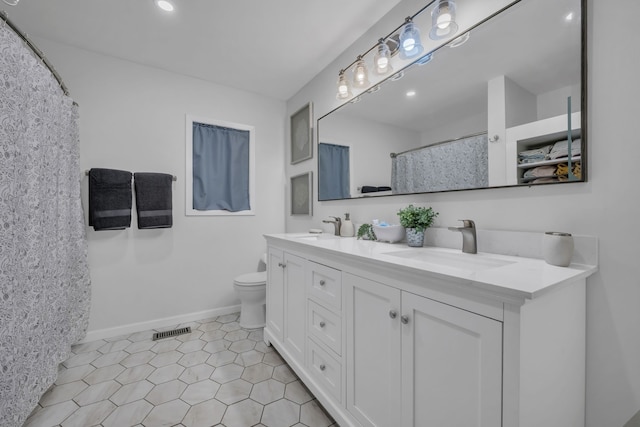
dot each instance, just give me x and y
(131, 328)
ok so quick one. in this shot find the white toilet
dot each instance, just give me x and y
(252, 291)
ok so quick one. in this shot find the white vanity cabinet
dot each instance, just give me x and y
(382, 342)
(418, 362)
(286, 300)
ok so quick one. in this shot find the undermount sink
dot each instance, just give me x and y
(319, 236)
(462, 261)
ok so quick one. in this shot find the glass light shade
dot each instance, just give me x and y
(410, 44)
(360, 74)
(11, 2)
(382, 59)
(344, 90)
(443, 20)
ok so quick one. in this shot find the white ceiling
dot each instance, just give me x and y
(269, 47)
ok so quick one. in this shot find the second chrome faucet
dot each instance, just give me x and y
(336, 221)
(469, 241)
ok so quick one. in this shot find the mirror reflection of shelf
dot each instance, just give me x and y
(536, 135)
(574, 159)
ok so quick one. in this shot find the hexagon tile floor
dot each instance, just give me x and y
(218, 375)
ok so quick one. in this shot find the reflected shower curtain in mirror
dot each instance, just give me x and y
(44, 275)
(333, 176)
(454, 165)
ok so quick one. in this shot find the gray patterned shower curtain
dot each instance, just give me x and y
(44, 275)
(455, 165)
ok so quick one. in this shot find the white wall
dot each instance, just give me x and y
(607, 206)
(132, 117)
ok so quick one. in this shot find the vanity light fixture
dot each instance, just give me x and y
(360, 73)
(344, 91)
(165, 5)
(443, 20)
(382, 59)
(410, 44)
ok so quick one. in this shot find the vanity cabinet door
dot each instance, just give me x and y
(372, 312)
(275, 293)
(451, 366)
(294, 305)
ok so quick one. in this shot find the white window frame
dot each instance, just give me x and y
(189, 211)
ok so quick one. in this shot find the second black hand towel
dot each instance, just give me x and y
(153, 199)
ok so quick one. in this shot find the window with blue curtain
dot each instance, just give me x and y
(333, 175)
(221, 163)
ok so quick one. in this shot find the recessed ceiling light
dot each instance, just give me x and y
(569, 16)
(164, 5)
(411, 93)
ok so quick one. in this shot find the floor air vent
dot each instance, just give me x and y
(173, 333)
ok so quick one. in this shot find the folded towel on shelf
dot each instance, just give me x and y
(544, 180)
(153, 200)
(562, 169)
(540, 171)
(561, 149)
(109, 199)
(534, 155)
(577, 170)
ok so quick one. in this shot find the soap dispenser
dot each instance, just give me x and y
(346, 229)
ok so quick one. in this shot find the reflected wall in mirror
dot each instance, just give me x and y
(500, 109)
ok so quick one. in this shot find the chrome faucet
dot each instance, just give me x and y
(469, 241)
(336, 221)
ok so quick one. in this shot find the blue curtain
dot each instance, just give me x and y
(220, 168)
(333, 176)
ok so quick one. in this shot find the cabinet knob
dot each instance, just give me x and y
(322, 282)
(393, 314)
(322, 367)
(404, 319)
(322, 324)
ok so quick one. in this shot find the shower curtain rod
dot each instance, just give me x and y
(35, 50)
(393, 155)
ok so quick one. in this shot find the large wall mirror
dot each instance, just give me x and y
(500, 105)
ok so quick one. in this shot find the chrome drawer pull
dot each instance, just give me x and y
(322, 282)
(322, 367)
(322, 324)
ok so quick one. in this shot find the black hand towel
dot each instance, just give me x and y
(153, 199)
(109, 199)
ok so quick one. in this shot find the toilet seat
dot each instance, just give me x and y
(251, 279)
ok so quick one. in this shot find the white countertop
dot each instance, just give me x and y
(511, 276)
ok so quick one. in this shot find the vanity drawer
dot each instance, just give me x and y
(326, 326)
(325, 369)
(325, 285)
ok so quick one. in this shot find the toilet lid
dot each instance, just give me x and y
(249, 279)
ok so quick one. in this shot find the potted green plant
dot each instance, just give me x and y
(416, 219)
(365, 232)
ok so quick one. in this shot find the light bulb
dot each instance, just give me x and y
(360, 73)
(444, 19)
(409, 44)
